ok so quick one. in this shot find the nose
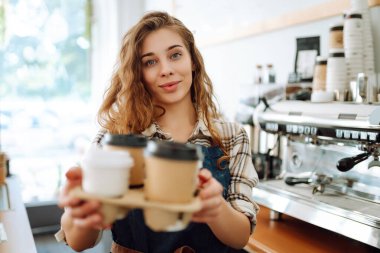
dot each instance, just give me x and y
(166, 69)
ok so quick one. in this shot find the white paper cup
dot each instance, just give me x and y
(106, 172)
(135, 145)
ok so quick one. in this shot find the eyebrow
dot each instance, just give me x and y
(169, 48)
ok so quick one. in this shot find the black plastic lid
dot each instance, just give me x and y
(126, 140)
(353, 15)
(336, 28)
(322, 61)
(174, 150)
(336, 54)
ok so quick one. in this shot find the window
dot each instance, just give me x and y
(45, 116)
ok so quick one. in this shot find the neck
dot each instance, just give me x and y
(179, 120)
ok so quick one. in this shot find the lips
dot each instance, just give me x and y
(170, 86)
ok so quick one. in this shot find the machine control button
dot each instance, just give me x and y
(271, 127)
(339, 133)
(313, 131)
(288, 128)
(355, 135)
(300, 129)
(372, 136)
(307, 130)
(295, 129)
(347, 134)
(363, 135)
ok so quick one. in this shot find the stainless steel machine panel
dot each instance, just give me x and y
(330, 173)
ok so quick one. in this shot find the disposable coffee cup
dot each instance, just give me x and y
(135, 145)
(171, 176)
(106, 172)
(171, 171)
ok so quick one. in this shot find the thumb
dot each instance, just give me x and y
(74, 173)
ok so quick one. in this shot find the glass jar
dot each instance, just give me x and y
(270, 75)
(259, 74)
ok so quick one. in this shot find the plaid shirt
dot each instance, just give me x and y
(236, 143)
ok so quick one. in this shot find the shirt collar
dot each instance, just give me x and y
(154, 130)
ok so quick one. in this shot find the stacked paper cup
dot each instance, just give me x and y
(319, 93)
(336, 35)
(353, 44)
(329, 83)
(361, 6)
(336, 76)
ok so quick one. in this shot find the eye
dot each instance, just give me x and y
(149, 63)
(175, 56)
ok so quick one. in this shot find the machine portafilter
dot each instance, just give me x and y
(348, 163)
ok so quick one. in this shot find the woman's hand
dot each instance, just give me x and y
(211, 198)
(84, 214)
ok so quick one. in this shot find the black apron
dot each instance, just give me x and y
(132, 233)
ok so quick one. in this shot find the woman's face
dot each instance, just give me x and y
(166, 67)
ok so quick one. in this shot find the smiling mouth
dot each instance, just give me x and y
(167, 85)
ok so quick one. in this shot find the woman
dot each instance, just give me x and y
(161, 89)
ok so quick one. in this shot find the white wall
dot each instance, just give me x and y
(111, 20)
(105, 44)
(231, 65)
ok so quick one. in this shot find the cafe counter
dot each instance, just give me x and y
(290, 235)
(14, 221)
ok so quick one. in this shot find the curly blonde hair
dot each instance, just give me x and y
(127, 106)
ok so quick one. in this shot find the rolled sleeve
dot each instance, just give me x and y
(243, 176)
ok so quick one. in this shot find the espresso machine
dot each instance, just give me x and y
(330, 169)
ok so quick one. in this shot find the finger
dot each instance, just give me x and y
(211, 203)
(204, 175)
(74, 173)
(93, 221)
(210, 189)
(74, 179)
(70, 185)
(65, 198)
(68, 201)
(85, 209)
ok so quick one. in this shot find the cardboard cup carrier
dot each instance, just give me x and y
(169, 187)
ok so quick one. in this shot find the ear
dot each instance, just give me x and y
(193, 67)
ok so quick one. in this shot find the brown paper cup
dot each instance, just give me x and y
(135, 145)
(137, 174)
(171, 172)
(170, 180)
(161, 220)
(112, 213)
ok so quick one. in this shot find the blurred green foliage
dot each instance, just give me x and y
(46, 51)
